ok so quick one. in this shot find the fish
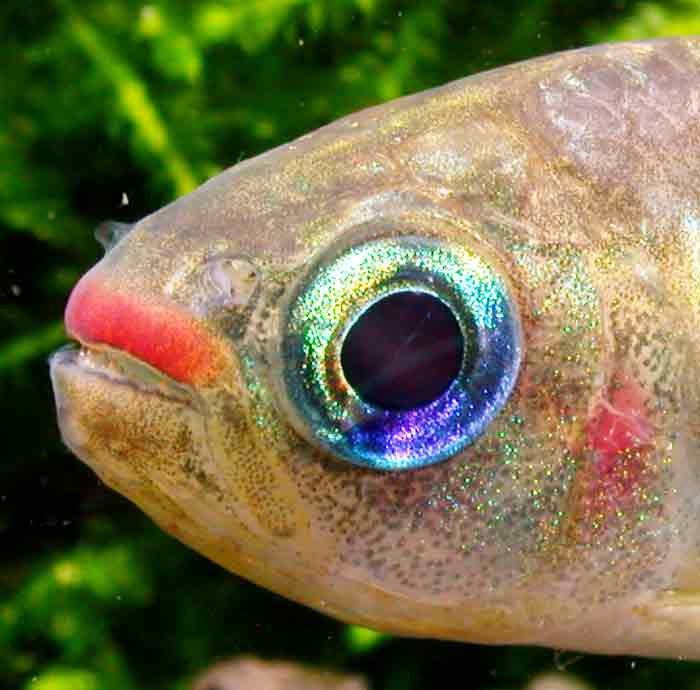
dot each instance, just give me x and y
(250, 673)
(433, 368)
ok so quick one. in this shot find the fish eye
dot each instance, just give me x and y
(399, 352)
(403, 351)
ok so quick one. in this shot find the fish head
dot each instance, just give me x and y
(431, 368)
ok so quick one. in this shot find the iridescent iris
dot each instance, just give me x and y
(445, 390)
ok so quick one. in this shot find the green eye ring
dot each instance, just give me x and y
(337, 293)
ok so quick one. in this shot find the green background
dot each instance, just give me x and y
(107, 102)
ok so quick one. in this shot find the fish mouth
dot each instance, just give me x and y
(119, 368)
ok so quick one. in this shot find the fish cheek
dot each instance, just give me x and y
(478, 523)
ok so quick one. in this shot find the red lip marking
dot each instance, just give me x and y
(157, 333)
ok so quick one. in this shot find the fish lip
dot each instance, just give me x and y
(120, 368)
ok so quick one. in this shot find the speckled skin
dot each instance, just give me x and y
(573, 520)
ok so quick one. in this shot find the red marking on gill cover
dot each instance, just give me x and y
(619, 436)
(619, 422)
(156, 332)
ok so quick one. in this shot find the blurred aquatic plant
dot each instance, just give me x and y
(681, 18)
(111, 110)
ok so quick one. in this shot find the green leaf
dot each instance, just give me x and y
(251, 25)
(361, 640)
(65, 679)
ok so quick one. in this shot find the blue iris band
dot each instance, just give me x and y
(335, 294)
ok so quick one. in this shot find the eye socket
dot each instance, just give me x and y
(399, 352)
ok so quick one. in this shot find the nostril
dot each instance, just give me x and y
(233, 280)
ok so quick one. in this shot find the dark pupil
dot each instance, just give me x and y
(403, 352)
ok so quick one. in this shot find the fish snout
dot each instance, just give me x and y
(147, 326)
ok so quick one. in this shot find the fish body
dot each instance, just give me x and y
(544, 219)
